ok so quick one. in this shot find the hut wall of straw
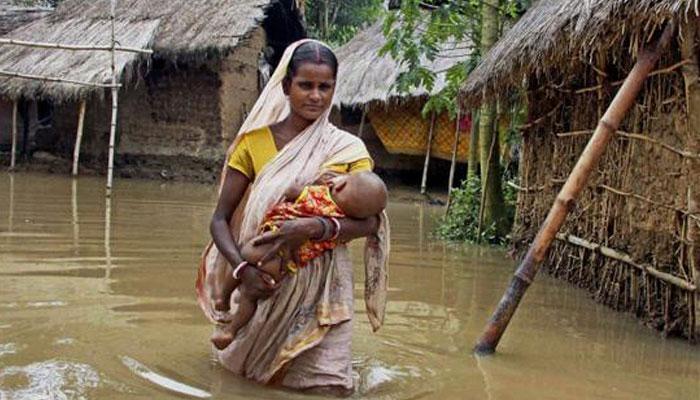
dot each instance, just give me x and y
(633, 218)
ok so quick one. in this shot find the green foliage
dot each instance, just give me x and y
(462, 221)
(337, 21)
(417, 32)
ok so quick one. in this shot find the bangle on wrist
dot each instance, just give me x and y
(336, 228)
(325, 231)
(237, 271)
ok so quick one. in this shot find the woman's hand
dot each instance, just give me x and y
(258, 283)
(286, 240)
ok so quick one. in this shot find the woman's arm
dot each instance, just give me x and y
(232, 191)
(293, 233)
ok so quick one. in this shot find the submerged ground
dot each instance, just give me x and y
(91, 308)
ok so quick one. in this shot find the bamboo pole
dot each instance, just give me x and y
(424, 180)
(113, 124)
(78, 138)
(13, 150)
(627, 259)
(566, 199)
(11, 211)
(53, 79)
(62, 46)
(454, 158)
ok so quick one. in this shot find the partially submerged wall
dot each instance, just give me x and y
(185, 109)
(626, 241)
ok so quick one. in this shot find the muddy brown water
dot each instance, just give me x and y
(90, 309)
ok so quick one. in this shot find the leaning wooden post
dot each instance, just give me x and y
(424, 180)
(78, 138)
(566, 200)
(113, 125)
(455, 144)
(13, 155)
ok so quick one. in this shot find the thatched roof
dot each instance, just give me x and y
(172, 28)
(365, 76)
(555, 32)
(83, 66)
(185, 25)
(13, 16)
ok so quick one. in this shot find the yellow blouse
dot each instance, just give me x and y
(258, 147)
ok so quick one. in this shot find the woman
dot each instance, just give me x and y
(300, 336)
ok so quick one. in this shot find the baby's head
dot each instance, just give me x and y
(359, 195)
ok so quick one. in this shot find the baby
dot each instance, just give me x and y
(360, 195)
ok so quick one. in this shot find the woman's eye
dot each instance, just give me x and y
(305, 85)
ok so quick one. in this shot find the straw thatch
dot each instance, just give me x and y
(12, 15)
(365, 76)
(555, 32)
(83, 65)
(184, 29)
(186, 26)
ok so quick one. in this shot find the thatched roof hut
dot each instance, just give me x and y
(633, 239)
(564, 32)
(190, 29)
(186, 99)
(365, 76)
(14, 14)
(367, 79)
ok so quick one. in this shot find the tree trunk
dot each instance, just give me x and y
(489, 149)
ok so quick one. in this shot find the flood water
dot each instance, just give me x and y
(96, 308)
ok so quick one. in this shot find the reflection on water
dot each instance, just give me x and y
(97, 301)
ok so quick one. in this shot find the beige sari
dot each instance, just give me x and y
(300, 336)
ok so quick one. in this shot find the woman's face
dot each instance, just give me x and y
(310, 90)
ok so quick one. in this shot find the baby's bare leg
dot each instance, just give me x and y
(246, 309)
(222, 284)
(247, 303)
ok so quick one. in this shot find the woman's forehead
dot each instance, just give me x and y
(314, 71)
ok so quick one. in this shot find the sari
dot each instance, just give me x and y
(300, 336)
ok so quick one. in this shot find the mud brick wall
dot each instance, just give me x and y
(183, 109)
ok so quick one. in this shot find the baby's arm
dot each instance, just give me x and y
(293, 192)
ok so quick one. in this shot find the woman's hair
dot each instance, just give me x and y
(312, 52)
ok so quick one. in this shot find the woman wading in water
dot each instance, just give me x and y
(300, 335)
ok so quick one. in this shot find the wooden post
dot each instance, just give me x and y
(74, 211)
(568, 195)
(455, 144)
(11, 213)
(362, 122)
(13, 154)
(113, 124)
(78, 138)
(424, 180)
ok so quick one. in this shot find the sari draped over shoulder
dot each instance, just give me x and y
(309, 314)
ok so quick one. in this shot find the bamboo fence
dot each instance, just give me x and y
(631, 238)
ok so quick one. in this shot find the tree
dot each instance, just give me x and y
(418, 32)
(337, 21)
